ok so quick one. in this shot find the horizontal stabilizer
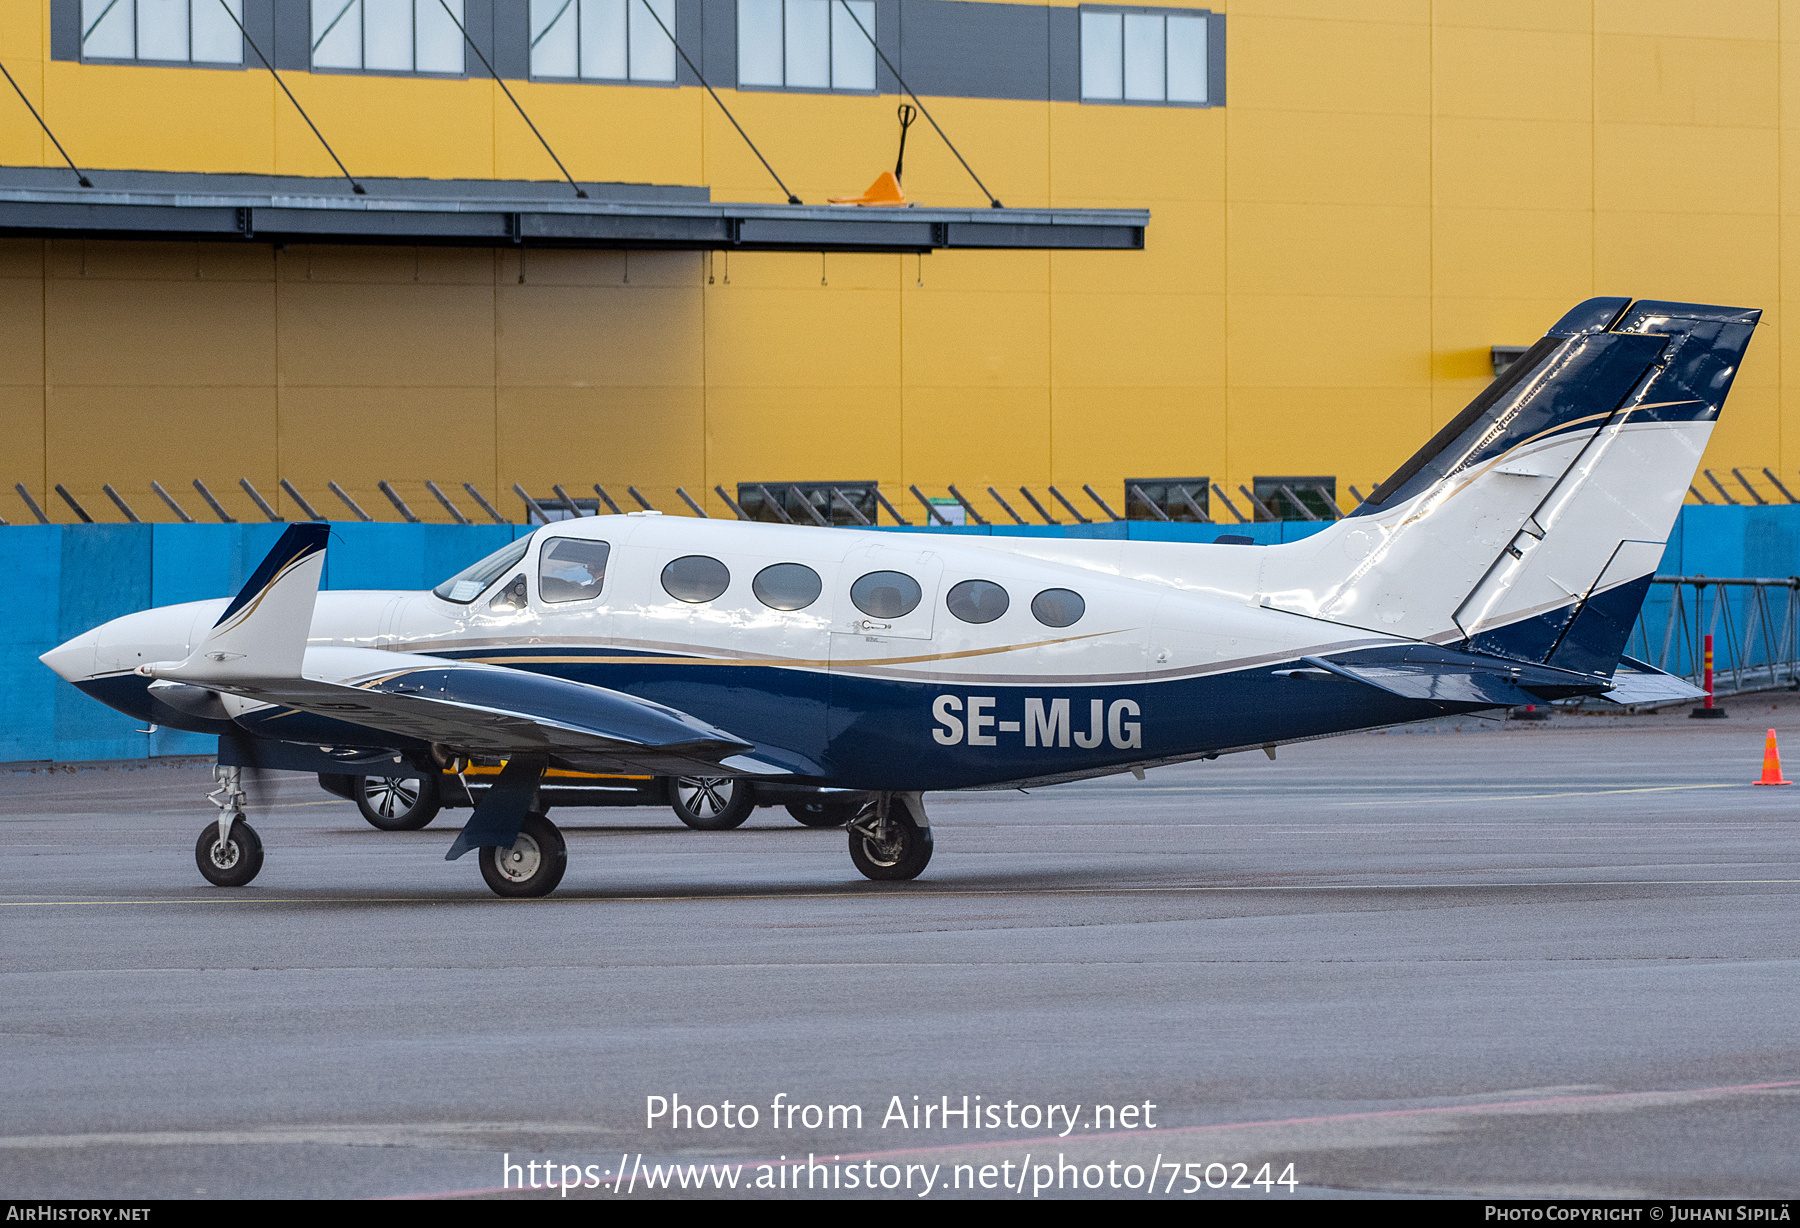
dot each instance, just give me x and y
(1443, 675)
(1636, 682)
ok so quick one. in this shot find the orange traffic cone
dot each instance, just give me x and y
(1771, 764)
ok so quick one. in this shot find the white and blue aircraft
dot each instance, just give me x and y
(1503, 564)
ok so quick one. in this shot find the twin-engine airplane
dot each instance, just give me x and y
(1503, 564)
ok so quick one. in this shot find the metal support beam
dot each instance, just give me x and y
(1095, 496)
(312, 513)
(1256, 503)
(256, 498)
(218, 510)
(119, 502)
(930, 508)
(166, 497)
(574, 508)
(853, 509)
(812, 511)
(531, 506)
(1134, 491)
(31, 503)
(1226, 500)
(444, 501)
(891, 510)
(730, 503)
(1038, 507)
(774, 505)
(968, 508)
(995, 496)
(1073, 511)
(350, 503)
(406, 513)
(483, 504)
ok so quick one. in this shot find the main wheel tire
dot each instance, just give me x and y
(232, 862)
(398, 803)
(532, 866)
(711, 803)
(902, 857)
(823, 814)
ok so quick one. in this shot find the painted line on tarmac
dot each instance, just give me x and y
(877, 893)
(1531, 797)
(1602, 1100)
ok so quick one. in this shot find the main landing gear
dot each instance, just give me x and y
(229, 853)
(532, 866)
(890, 841)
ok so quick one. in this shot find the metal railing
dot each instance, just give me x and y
(1755, 625)
(1055, 507)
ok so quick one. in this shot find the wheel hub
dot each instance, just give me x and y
(520, 862)
(225, 854)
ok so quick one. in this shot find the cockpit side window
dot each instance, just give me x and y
(572, 569)
(510, 598)
(472, 581)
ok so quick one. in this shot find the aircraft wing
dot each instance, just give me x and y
(491, 710)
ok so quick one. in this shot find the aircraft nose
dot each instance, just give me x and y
(74, 661)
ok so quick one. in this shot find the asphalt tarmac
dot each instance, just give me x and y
(1502, 961)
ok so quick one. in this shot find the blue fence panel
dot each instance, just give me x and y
(29, 625)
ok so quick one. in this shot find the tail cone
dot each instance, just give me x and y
(1771, 764)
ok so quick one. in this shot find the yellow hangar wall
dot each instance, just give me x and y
(1393, 187)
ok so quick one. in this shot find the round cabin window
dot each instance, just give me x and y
(695, 578)
(978, 601)
(1058, 607)
(886, 594)
(786, 586)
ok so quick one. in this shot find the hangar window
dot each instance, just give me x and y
(607, 40)
(471, 581)
(387, 35)
(1182, 499)
(886, 594)
(1296, 498)
(1138, 56)
(977, 601)
(807, 44)
(787, 586)
(571, 569)
(179, 31)
(695, 578)
(1058, 607)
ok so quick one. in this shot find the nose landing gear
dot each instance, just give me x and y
(890, 841)
(229, 852)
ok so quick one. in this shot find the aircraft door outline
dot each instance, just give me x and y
(850, 624)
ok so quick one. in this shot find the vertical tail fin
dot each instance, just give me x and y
(1531, 524)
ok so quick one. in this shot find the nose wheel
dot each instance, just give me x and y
(231, 860)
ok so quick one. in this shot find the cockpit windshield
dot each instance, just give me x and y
(468, 584)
